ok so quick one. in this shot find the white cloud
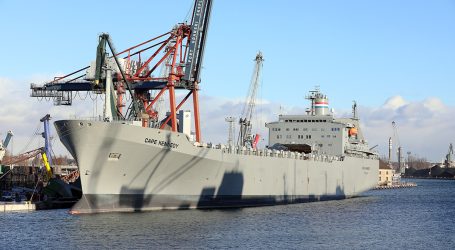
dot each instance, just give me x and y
(395, 102)
(424, 127)
(21, 113)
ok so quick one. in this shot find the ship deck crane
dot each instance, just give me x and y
(134, 68)
(245, 136)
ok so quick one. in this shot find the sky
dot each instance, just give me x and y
(396, 59)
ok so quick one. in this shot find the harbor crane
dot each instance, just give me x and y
(401, 168)
(132, 70)
(45, 151)
(245, 137)
(4, 144)
(449, 160)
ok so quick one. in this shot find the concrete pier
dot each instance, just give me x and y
(400, 185)
(16, 206)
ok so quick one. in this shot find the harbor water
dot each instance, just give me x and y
(422, 217)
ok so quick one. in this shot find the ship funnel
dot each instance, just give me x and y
(319, 102)
(321, 105)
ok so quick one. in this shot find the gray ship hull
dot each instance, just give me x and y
(130, 168)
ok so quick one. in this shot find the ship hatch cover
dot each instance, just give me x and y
(301, 148)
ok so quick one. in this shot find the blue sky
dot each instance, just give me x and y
(368, 51)
(363, 50)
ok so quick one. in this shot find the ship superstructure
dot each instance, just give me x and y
(318, 131)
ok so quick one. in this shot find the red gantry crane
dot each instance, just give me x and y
(132, 71)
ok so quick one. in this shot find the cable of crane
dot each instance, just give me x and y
(86, 94)
(90, 94)
(1, 177)
(138, 45)
(80, 97)
(142, 50)
(53, 155)
(70, 74)
(31, 138)
(190, 11)
(34, 190)
(75, 78)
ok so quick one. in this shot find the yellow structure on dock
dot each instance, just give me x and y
(385, 175)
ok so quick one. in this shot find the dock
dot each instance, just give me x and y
(394, 186)
(16, 206)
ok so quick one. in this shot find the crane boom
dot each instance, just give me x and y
(245, 137)
(4, 144)
(196, 43)
(8, 137)
(23, 157)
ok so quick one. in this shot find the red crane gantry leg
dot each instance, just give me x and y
(196, 112)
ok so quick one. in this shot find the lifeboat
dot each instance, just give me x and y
(352, 132)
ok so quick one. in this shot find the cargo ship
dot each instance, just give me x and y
(138, 160)
(125, 167)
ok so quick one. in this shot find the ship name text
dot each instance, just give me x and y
(161, 143)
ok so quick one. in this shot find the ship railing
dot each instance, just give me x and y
(272, 153)
(100, 118)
